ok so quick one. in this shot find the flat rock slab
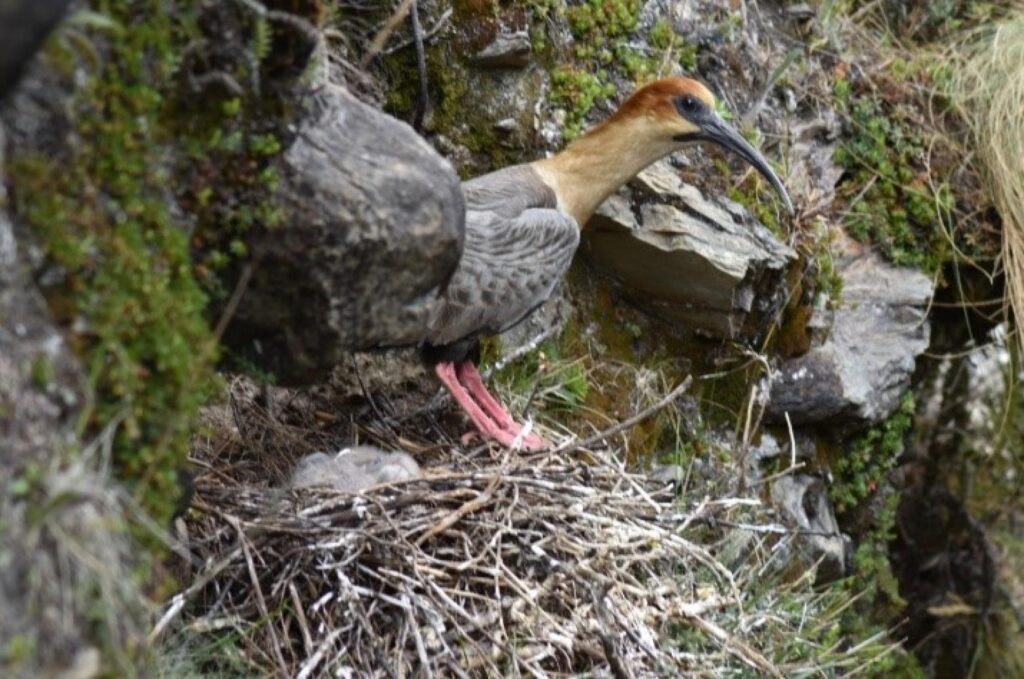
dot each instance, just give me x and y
(704, 263)
(860, 371)
(373, 227)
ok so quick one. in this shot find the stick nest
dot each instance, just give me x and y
(495, 563)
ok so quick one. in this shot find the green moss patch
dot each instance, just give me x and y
(106, 214)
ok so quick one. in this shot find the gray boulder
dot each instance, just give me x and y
(860, 371)
(42, 386)
(373, 226)
(63, 550)
(24, 24)
(701, 262)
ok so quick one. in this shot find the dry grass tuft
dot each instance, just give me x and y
(989, 90)
(70, 597)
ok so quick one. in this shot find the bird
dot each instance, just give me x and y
(353, 469)
(523, 226)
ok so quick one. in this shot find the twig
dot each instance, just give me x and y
(232, 306)
(629, 422)
(379, 40)
(428, 35)
(467, 508)
(738, 648)
(520, 351)
(421, 67)
(261, 601)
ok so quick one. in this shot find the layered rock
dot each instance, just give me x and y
(702, 262)
(372, 228)
(859, 372)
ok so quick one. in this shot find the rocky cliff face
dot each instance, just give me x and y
(218, 186)
(65, 558)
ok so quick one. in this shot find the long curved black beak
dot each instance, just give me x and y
(714, 129)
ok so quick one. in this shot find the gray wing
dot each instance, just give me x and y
(509, 267)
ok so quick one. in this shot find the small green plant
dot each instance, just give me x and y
(556, 382)
(602, 32)
(893, 201)
(106, 213)
(861, 469)
(860, 474)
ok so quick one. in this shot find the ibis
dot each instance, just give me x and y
(523, 226)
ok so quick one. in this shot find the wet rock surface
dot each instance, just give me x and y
(373, 228)
(702, 262)
(860, 371)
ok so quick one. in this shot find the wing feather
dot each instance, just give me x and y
(509, 267)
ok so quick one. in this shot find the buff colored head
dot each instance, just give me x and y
(681, 111)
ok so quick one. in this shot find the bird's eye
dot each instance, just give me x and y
(688, 105)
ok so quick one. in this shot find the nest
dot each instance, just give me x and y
(535, 565)
(493, 563)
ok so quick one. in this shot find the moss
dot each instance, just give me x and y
(41, 371)
(878, 605)
(462, 102)
(577, 90)
(895, 207)
(104, 214)
(17, 651)
(603, 35)
(762, 202)
(860, 470)
(863, 496)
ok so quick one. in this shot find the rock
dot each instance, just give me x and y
(859, 373)
(24, 24)
(812, 174)
(507, 50)
(353, 469)
(801, 11)
(803, 502)
(701, 262)
(373, 226)
(42, 386)
(63, 542)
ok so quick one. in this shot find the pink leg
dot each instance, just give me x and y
(470, 378)
(487, 426)
(484, 422)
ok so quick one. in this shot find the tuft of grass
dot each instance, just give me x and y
(988, 89)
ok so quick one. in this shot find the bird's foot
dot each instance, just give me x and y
(514, 438)
(488, 416)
